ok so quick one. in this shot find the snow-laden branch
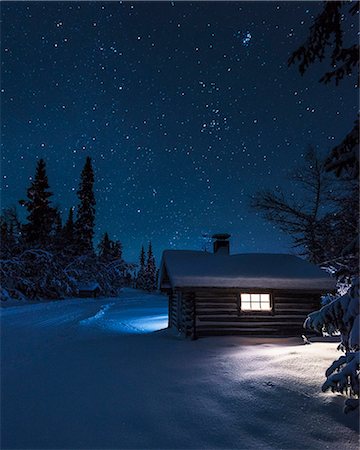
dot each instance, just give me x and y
(342, 315)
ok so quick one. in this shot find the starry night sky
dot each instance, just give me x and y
(185, 108)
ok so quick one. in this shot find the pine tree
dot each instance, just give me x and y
(68, 230)
(105, 250)
(41, 215)
(56, 233)
(85, 221)
(109, 250)
(116, 249)
(140, 278)
(68, 235)
(142, 258)
(150, 271)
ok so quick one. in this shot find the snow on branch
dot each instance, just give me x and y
(342, 315)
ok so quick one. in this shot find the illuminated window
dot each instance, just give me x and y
(255, 302)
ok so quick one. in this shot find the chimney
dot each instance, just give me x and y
(221, 243)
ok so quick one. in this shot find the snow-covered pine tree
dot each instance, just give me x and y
(342, 314)
(150, 271)
(41, 217)
(140, 278)
(85, 220)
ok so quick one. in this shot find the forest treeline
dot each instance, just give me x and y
(46, 258)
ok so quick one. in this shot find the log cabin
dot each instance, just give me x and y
(247, 294)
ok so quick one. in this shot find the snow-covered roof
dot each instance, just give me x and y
(89, 286)
(253, 270)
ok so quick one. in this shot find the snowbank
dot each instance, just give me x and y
(92, 373)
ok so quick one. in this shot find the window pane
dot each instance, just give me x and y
(255, 298)
(255, 305)
(265, 301)
(245, 297)
(245, 305)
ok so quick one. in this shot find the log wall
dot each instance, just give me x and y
(205, 313)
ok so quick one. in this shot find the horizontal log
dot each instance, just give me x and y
(252, 318)
(296, 300)
(249, 332)
(245, 328)
(295, 305)
(240, 320)
(214, 312)
(216, 300)
(217, 305)
(293, 312)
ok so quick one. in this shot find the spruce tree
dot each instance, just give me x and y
(85, 220)
(116, 249)
(105, 253)
(41, 217)
(57, 232)
(109, 250)
(140, 279)
(150, 271)
(68, 230)
(68, 235)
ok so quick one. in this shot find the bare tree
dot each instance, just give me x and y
(301, 218)
(322, 220)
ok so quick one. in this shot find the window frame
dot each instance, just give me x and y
(257, 311)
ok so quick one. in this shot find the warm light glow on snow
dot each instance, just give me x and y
(255, 302)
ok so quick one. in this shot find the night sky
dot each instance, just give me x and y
(185, 108)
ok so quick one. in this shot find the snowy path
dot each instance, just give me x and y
(90, 373)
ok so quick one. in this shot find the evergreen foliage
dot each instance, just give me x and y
(68, 235)
(147, 274)
(11, 233)
(85, 221)
(150, 271)
(109, 250)
(41, 217)
(140, 278)
(44, 259)
(342, 315)
(56, 234)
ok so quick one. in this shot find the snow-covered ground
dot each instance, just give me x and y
(94, 373)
